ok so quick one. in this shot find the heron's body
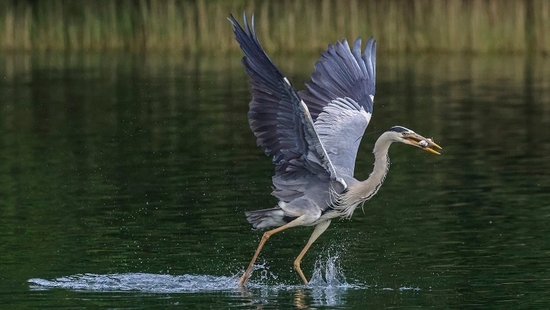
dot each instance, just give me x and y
(324, 204)
(313, 137)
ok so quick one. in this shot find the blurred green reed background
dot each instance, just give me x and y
(473, 26)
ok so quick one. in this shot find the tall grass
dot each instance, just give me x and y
(474, 26)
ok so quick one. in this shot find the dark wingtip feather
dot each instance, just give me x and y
(273, 98)
(233, 21)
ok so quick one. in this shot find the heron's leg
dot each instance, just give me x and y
(296, 222)
(319, 230)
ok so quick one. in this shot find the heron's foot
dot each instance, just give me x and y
(300, 273)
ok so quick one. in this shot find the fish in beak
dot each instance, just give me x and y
(426, 144)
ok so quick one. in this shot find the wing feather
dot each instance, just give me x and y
(340, 97)
(281, 121)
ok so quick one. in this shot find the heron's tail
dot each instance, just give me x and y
(266, 218)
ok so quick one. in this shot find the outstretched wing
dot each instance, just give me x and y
(281, 121)
(340, 98)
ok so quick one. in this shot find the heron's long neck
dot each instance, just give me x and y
(370, 186)
(364, 190)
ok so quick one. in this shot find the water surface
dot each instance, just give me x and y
(124, 178)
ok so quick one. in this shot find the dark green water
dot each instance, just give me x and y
(124, 178)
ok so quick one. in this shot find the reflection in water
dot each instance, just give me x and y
(139, 166)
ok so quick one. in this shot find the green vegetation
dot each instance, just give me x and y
(479, 26)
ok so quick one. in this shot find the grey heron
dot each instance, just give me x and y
(313, 136)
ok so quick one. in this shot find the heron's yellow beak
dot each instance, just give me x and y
(424, 143)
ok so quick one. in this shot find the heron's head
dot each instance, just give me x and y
(407, 136)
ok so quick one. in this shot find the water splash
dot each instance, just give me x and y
(328, 283)
(264, 273)
(328, 279)
(138, 282)
(328, 272)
